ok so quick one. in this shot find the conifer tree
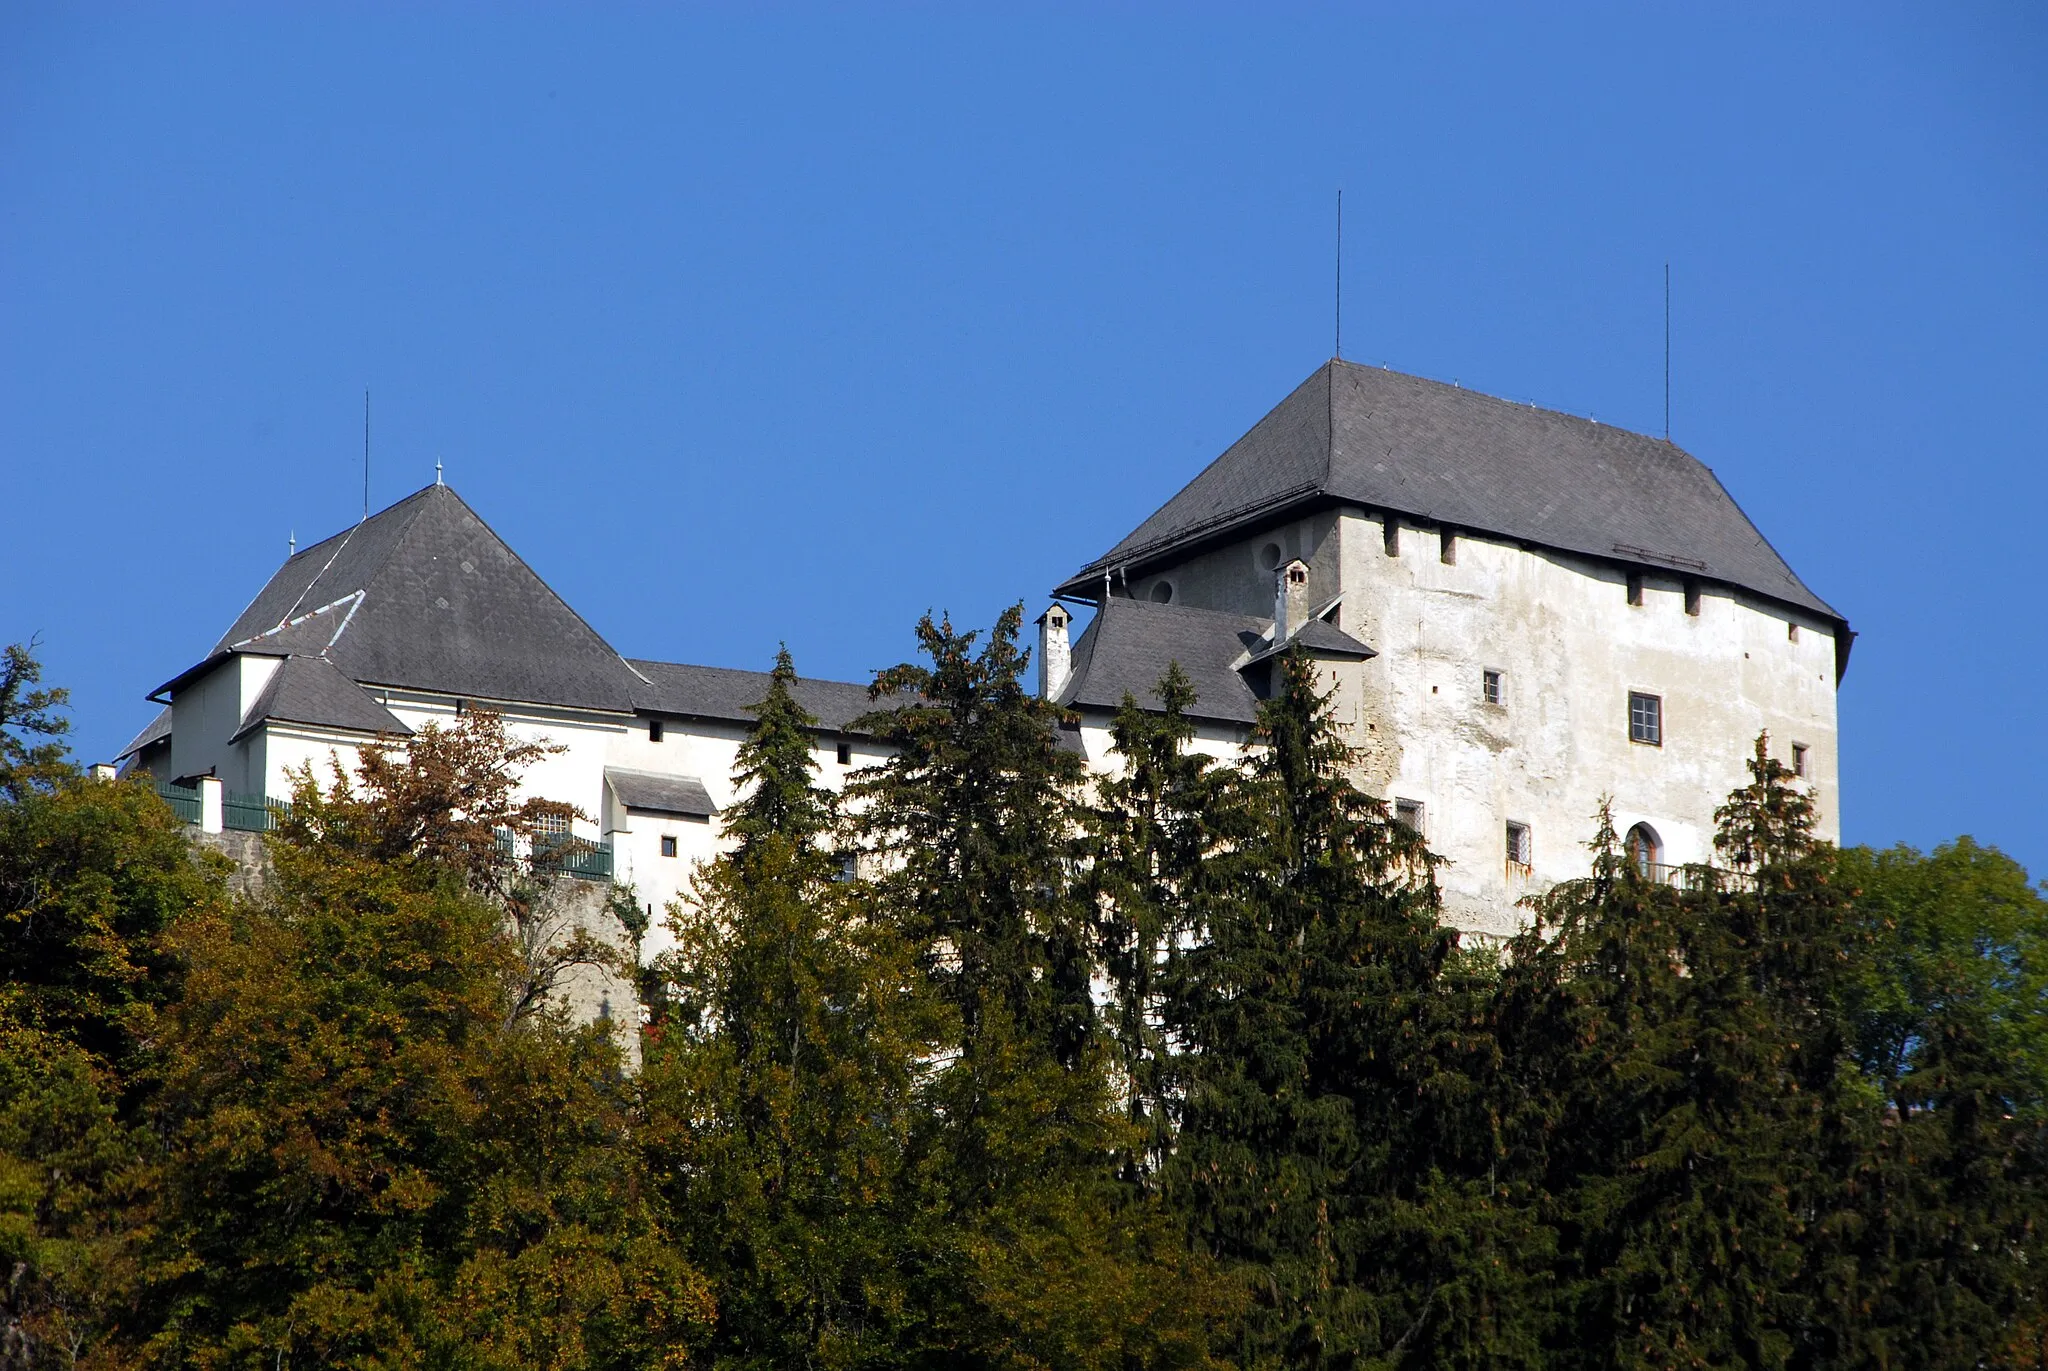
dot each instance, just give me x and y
(1159, 851)
(779, 1098)
(1326, 1153)
(1031, 1252)
(1684, 1055)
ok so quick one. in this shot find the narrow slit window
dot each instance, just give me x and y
(1791, 633)
(1447, 548)
(1645, 718)
(1692, 598)
(1635, 588)
(846, 754)
(1390, 532)
(1490, 687)
(1799, 751)
(654, 730)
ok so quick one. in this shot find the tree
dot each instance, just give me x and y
(1327, 1154)
(368, 1155)
(780, 1092)
(1688, 1099)
(1158, 852)
(1031, 1250)
(28, 712)
(446, 801)
(1950, 1028)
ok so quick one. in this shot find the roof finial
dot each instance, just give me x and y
(1340, 275)
(291, 545)
(437, 471)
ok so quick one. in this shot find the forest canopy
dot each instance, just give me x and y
(984, 1062)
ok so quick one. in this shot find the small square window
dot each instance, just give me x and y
(1692, 598)
(1635, 588)
(654, 730)
(1447, 548)
(846, 754)
(668, 846)
(1390, 534)
(1408, 814)
(1518, 845)
(1490, 687)
(1645, 719)
(1799, 751)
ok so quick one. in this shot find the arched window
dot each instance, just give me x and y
(1645, 849)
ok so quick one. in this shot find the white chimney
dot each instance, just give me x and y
(1290, 600)
(1055, 656)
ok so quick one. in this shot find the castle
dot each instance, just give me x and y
(1519, 614)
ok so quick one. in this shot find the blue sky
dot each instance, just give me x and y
(745, 324)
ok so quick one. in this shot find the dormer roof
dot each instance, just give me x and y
(1440, 454)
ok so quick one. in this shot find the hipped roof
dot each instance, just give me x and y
(1444, 455)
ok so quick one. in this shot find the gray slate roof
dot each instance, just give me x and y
(1130, 644)
(159, 727)
(659, 794)
(312, 690)
(1437, 453)
(425, 595)
(724, 693)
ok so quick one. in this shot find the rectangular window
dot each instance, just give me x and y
(1489, 687)
(1645, 718)
(1447, 548)
(1692, 598)
(846, 754)
(668, 846)
(1792, 633)
(1799, 759)
(1518, 846)
(1390, 532)
(1408, 813)
(1635, 588)
(654, 730)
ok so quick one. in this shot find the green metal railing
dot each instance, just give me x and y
(577, 857)
(252, 813)
(183, 800)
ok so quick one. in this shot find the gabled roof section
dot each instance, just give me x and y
(312, 690)
(1445, 455)
(424, 595)
(727, 694)
(1130, 643)
(658, 794)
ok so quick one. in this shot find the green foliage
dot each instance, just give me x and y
(780, 1088)
(1029, 1250)
(28, 712)
(1170, 1067)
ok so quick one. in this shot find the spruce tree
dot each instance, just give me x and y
(1158, 850)
(1326, 1153)
(1683, 1059)
(1031, 1252)
(779, 1099)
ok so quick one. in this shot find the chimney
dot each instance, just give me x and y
(1055, 657)
(1290, 601)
